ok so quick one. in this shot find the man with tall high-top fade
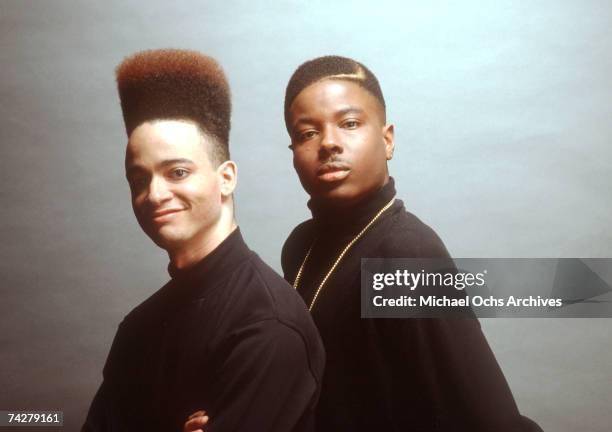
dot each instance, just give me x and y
(381, 374)
(226, 334)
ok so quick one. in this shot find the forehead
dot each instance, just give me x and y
(156, 141)
(328, 96)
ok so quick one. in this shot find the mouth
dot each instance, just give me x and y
(333, 171)
(165, 215)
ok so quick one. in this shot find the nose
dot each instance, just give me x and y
(159, 191)
(330, 141)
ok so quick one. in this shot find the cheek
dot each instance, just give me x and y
(304, 161)
(138, 203)
(372, 151)
(203, 191)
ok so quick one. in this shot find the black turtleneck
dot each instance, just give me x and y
(350, 219)
(392, 374)
(226, 335)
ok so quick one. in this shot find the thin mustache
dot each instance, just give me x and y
(332, 165)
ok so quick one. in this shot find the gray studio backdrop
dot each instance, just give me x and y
(502, 113)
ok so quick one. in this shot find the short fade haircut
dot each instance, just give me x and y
(336, 68)
(172, 84)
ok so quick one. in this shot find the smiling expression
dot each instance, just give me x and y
(176, 192)
(340, 141)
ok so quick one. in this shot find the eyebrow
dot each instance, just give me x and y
(165, 163)
(340, 113)
(349, 110)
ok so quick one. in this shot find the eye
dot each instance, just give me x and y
(179, 173)
(350, 124)
(306, 135)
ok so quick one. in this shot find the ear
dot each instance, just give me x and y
(389, 139)
(228, 175)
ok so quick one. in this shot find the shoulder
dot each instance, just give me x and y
(150, 308)
(265, 295)
(280, 299)
(299, 236)
(407, 236)
(270, 313)
(295, 247)
(261, 335)
(281, 339)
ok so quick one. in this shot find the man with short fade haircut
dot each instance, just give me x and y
(381, 374)
(226, 334)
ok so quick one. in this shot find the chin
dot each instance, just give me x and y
(345, 194)
(339, 195)
(167, 241)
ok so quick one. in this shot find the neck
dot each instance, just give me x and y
(189, 255)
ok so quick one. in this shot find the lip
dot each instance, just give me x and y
(333, 171)
(161, 216)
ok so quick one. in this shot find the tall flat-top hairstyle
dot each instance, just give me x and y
(331, 67)
(171, 84)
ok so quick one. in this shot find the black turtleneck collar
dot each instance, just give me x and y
(217, 264)
(352, 217)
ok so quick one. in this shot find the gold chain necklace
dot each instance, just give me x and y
(344, 251)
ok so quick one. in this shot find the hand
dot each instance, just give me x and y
(196, 422)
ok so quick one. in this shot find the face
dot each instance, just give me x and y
(340, 142)
(177, 193)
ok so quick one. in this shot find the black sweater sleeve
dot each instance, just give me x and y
(455, 368)
(295, 248)
(450, 359)
(265, 382)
